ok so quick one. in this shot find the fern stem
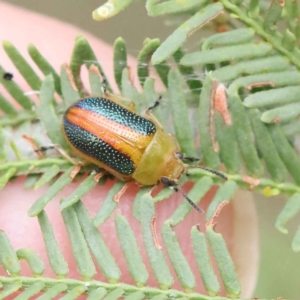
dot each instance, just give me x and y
(33, 165)
(271, 38)
(264, 185)
(93, 285)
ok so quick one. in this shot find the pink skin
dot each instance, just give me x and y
(55, 41)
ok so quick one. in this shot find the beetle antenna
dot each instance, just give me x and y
(211, 171)
(169, 183)
(196, 207)
(182, 156)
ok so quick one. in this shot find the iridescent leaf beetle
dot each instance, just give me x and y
(109, 133)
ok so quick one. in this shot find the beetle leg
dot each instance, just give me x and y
(170, 183)
(77, 164)
(117, 99)
(150, 115)
(183, 157)
(156, 103)
(44, 148)
(104, 85)
(35, 147)
(61, 151)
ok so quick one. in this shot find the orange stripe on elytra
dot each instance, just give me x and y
(120, 137)
(102, 123)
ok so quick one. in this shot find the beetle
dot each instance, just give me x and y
(109, 133)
